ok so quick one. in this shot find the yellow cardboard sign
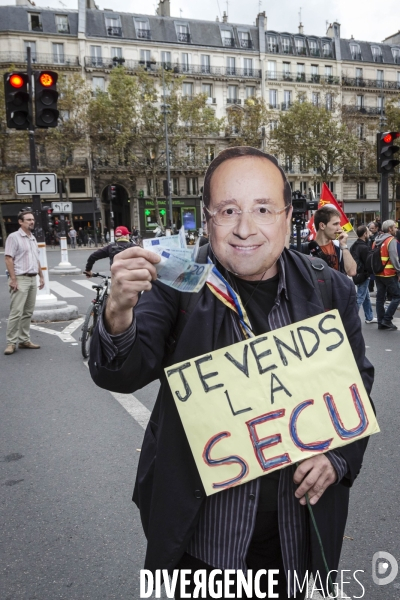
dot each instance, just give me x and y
(270, 401)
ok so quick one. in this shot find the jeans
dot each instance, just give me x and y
(73, 240)
(364, 300)
(384, 285)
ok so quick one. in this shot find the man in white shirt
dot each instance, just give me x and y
(22, 262)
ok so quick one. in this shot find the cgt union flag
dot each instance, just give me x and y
(328, 198)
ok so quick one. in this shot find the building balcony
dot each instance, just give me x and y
(63, 28)
(233, 101)
(302, 77)
(273, 48)
(287, 50)
(356, 56)
(183, 37)
(143, 34)
(301, 51)
(378, 58)
(361, 196)
(364, 110)
(37, 27)
(114, 31)
(246, 43)
(39, 59)
(229, 42)
(315, 52)
(370, 83)
(286, 105)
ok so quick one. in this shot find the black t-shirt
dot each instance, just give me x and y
(258, 298)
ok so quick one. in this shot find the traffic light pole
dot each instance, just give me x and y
(44, 295)
(384, 197)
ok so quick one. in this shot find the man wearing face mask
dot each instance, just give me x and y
(261, 524)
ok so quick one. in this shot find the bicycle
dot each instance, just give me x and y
(93, 313)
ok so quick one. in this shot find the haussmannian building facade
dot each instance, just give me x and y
(229, 63)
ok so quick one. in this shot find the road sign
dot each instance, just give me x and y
(62, 207)
(44, 184)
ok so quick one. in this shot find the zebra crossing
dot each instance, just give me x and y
(73, 289)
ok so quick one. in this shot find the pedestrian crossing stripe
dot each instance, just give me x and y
(63, 290)
(84, 283)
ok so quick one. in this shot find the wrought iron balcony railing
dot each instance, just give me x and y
(184, 37)
(371, 83)
(114, 31)
(233, 101)
(364, 110)
(143, 34)
(302, 77)
(39, 58)
(63, 28)
(246, 43)
(229, 42)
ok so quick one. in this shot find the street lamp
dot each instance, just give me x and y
(165, 110)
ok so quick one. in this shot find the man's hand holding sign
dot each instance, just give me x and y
(268, 402)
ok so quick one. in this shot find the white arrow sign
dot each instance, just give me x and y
(44, 184)
(62, 207)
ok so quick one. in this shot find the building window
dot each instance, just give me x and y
(286, 47)
(142, 29)
(95, 56)
(271, 72)
(187, 90)
(145, 59)
(182, 33)
(314, 50)
(273, 98)
(232, 94)
(360, 131)
(303, 187)
(98, 84)
(210, 153)
(116, 55)
(355, 51)
(301, 73)
(326, 49)
(35, 22)
(206, 89)
(175, 186)
(361, 190)
(317, 188)
(77, 186)
(362, 161)
(300, 47)
(248, 67)
(150, 187)
(245, 40)
(328, 71)
(58, 54)
(315, 98)
(190, 152)
(396, 55)
(192, 186)
(379, 78)
(360, 101)
(287, 99)
(286, 71)
(376, 54)
(62, 23)
(328, 102)
(288, 164)
(303, 165)
(380, 102)
(273, 125)
(230, 65)
(205, 63)
(250, 91)
(227, 38)
(113, 26)
(32, 46)
(359, 76)
(166, 60)
(186, 62)
(272, 44)
(315, 78)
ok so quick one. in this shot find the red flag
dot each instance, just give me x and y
(328, 198)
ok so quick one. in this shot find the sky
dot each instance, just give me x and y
(360, 18)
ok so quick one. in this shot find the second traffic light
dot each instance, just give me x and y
(17, 100)
(46, 97)
(385, 151)
(113, 192)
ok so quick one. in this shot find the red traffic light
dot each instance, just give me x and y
(49, 211)
(388, 138)
(46, 79)
(16, 81)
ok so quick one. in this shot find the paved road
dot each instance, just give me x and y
(69, 452)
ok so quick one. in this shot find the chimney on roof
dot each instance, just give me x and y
(224, 17)
(262, 18)
(333, 30)
(301, 28)
(164, 8)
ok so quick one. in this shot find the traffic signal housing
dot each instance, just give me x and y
(47, 218)
(46, 98)
(113, 192)
(17, 100)
(386, 150)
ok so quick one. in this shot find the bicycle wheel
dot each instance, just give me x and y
(87, 330)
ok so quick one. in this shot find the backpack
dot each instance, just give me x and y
(362, 275)
(317, 268)
(374, 263)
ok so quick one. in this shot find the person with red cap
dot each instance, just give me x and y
(121, 243)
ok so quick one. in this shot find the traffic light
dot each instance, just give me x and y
(113, 192)
(17, 100)
(47, 218)
(141, 194)
(385, 150)
(46, 97)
